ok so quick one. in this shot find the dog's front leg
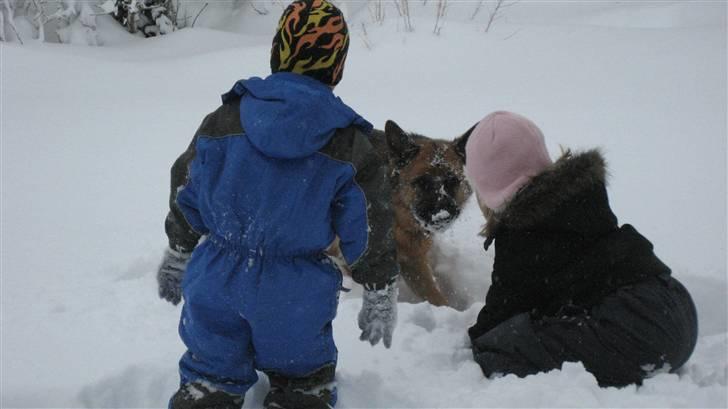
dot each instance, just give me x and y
(412, 252)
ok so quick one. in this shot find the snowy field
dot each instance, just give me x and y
(88, 135)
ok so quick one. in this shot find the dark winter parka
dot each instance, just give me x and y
(564, 271)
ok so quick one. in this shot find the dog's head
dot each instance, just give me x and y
(429, 175)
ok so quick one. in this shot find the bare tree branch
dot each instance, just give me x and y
(512, 34)
(495, 12)
(365, 36)
(441, 10)
(405, 12)
(376, 11)
(477, 9)
(40, 18)
(198, 14)
(396, 5)
(11, 21)
(261, 12)
(2, 26)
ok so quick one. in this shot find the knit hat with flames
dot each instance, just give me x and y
(312, 39)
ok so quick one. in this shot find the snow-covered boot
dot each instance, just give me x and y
(198, 395)
(314, 391)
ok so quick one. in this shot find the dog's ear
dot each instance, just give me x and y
(401, 145)
(459, 143)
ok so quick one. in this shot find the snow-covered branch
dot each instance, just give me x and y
(10, 11)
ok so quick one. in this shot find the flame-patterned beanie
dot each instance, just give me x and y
(312, 39)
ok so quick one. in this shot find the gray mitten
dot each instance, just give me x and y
(378, 315)
(170, 275)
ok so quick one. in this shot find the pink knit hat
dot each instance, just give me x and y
(504, 152)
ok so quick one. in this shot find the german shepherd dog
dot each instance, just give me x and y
(428, 192)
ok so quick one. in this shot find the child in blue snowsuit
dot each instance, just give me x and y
(271, 182)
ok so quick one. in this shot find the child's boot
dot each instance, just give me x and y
(314, 391)
(198, 395)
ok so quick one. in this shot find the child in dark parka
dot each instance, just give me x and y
(568, 283)
(272, 179)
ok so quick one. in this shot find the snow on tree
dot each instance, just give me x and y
(49, 21)
(150, 17)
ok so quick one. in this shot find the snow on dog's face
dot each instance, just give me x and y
(429, 176)
(436, 205)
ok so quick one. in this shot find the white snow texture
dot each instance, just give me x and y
(88, 136)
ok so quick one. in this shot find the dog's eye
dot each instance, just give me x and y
(452, 182)
(424, 183)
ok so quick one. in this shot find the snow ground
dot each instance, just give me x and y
(88, 135)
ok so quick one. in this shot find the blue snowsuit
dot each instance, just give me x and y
(259, 292)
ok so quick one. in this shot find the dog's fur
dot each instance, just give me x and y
(429, 190)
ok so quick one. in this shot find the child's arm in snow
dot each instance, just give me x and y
(187, 199)
(361, 211)
(378, 266)
(350, 220)
(181, 236)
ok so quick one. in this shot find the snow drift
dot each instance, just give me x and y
(89, 134)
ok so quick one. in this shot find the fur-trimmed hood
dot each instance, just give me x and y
(570, 176)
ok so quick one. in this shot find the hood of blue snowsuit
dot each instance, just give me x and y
(291, 116)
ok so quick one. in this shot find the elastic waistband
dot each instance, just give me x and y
(261, 252)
